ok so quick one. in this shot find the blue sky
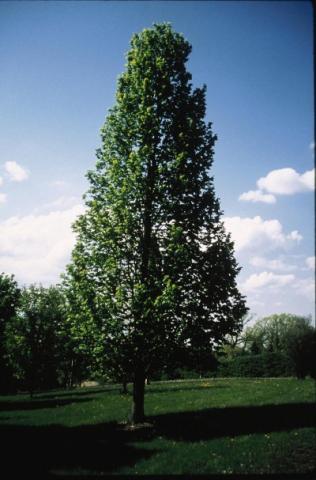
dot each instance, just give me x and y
(59, 65)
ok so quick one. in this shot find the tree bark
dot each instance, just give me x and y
(138, 415)
(71, 381)
(124, 387)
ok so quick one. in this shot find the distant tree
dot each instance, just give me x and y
(9, 298)
(33, 341)
(285, 333)
(270, 333)
(153, 267)
(300, 345)
(198, 358)
(236, 339)
(235, 343)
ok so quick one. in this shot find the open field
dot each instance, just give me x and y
(208, 426)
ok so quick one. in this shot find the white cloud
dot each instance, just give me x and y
(265, 280)
(312, 145)
(36, 248)
(16, 172)
(254, 233)
(61, 203)
(294, 235)
(274, 264)
(286, 181)
(310, 263)
(3, 197)
(257, 196)
(1, 181)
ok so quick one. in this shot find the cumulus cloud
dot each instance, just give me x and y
(310, 263)
(312, 145)
(294, 235)
(254, 233)
(16, 172)
(265, 280)
(257, 196)
(271, 264)
(1, 181)
(36, 248)
(286, 181)
(3, 198)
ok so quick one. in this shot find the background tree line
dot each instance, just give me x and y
(44, 347)
(277, 345)
(39, 348)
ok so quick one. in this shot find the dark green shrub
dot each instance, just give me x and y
(262, 365)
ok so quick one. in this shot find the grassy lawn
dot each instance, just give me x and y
(208, 426)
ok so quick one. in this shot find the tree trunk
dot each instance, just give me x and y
(124, 387)
(138, 415)
(70, 384)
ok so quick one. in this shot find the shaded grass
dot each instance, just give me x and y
(214, 426)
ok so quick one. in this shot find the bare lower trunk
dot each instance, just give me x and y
(70, 384)
(124, 387)
(138, 415)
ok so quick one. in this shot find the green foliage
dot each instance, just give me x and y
(9, 298)
(300, 346)
(270, 333)
(186, 362)
(34, 338)
(291, 335)
(153, 267)
(268, 364)
(84, 345)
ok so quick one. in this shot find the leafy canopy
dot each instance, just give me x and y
(153, 267)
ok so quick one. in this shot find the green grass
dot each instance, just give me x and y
(208, 426)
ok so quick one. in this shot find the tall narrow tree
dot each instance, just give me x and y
(153, 264)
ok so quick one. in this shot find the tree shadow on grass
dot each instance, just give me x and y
(103, 448)
(92, 449)
(232, 421)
